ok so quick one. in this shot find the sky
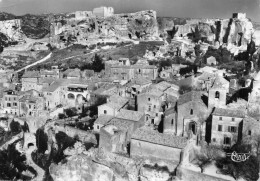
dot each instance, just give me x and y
(169, 8)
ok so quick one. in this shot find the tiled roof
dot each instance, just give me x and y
(56, 84)
(162, 86)
(206, 76)
(190, 96)
(237, 113)
(130, 115)
(31, 74)
(219, 82)
(155, 137)
(121, 124)
(103, 119)
(116, 102)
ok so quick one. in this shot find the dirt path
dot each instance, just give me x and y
(35, 63)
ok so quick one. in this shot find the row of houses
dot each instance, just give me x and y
(163, 120)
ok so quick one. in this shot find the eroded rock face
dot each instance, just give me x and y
(108, 167)
(12, 29)
(80, 168)
(142, 25)
(234, 31)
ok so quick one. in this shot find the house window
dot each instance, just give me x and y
(217, 95)
(172, 121)
(249, 132)
(227, 140)
(191, 112)
(156, 114)
(149, 99)
(154, 106)
(29, 106)
(220, 118)
(105, 111)
(232, 129)
(15, 104)
(97, 127)
(220, 127)
(233, 119)
(8, 104)
(147, 118)
(152, 121)
(149, 108)
(214, 140)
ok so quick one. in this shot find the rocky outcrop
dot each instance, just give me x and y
(80, 167)
(139, 25)
(12, 29)
(105, 166)
(235, 31)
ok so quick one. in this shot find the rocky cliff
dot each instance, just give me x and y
(139, 25)
(109, 167)
(233, 31)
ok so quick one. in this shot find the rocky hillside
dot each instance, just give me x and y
(35, 26)
(231, 31)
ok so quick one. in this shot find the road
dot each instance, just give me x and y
(29, 160)
(49, 56)
(35, 63)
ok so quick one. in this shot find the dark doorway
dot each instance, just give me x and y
(193, 127)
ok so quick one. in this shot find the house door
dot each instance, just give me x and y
(193, 127)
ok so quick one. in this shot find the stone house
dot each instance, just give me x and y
(147, 143)
(32, 103)
(72, 74)
(77, 94)
(113, 106)
(30, 80)
(152, 104)
(53, 73)
(112, 139)
(101, 121)
(136, 86)
(116, 135)
(226, 126)
(251, 128)
(250, 133)
(137, 119)
(55, 94)
(10, 102)
(218, 92)
(166, 73)
(128, 72)
(192, 112)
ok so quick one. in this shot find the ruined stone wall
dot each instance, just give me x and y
(145, 149)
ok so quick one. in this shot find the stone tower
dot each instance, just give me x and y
(218, 93)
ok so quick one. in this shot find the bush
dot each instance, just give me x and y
(248, 169)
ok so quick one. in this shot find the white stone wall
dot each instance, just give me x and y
(145, 149)
(225, 122)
